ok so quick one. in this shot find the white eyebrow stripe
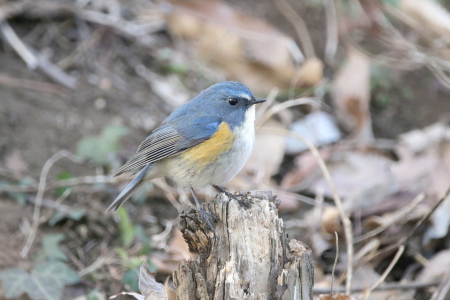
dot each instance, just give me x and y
(246, 96)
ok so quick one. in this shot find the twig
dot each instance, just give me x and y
(335, 263)
(396, 217)
(98, 263)
(60, 183)
(34, 85)
(405, 239)
(299, 25)
(16, 43)
(33, 59)
(443, 288)
(380, 280)
(266, 105)
(40, 193)
(332, 31)
(344, 218)
(286, 104)
(56, 204)
(386, 287)
(371, 245)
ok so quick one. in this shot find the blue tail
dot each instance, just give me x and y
(130, 189)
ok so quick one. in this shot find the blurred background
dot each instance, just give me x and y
(83, 82)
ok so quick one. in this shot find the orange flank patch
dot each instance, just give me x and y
(208, 151)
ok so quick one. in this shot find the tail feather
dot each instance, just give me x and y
(130, 189)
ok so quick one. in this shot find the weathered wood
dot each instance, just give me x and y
(249, 257)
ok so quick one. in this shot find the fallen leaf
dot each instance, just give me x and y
(337, 297)
(420, 140)
(135, 295)
(249, 49)
(50, 245)
(47, 281)
(16, 164)
(148, 287)
(440, 222)
(361, 178)
(430, 14)
(15, 282)
(317, 127)
(351, 96)
(179, 249)
(288, 203)
(331, 221)
(306, 166)
(168, 285)
(436, 268)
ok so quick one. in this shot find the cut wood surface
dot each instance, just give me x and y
(248, 257)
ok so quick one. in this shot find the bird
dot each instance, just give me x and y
(206, 141)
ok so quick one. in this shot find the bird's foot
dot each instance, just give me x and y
(204, 213)
(233, 196)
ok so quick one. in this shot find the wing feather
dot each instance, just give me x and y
(166, 141)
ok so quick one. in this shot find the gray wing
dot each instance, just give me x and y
(166, 141)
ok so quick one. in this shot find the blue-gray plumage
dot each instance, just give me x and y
(205, 141)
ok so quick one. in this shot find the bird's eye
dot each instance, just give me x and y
(232, 101)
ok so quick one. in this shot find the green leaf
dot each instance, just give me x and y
(89, 147)
(127, 231)
(95, 295)
(20, 198)
(61, 176)
(122, 253)
(46, 282)
(99, 148)
(131, 278)
(50, 278)
(141, 236)
(110, 138)
(56, 270)
(15, 282)
(393, 2)
(50, 246)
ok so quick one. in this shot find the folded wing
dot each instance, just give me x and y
(169, 140)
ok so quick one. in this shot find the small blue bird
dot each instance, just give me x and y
(204, 142)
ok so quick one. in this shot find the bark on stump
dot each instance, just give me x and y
(249, 257)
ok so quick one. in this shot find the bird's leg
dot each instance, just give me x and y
(202, 211)
(231, 195)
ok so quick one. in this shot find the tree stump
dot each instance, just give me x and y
(249, 257)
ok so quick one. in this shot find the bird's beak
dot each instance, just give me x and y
(256, 101)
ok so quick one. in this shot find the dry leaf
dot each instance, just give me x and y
(361, 178)
(351, 96)
(249, 49)
(165, 266)
(15, 163)
(436, 268)
(317, 127)
(440, 221)
(306, 167)
(331, 221)
(148, 287)
(428, 13)
(135, 295)
(288, 203)
(337, 297)
(168, 284)
(420, 140)
(179, 249)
